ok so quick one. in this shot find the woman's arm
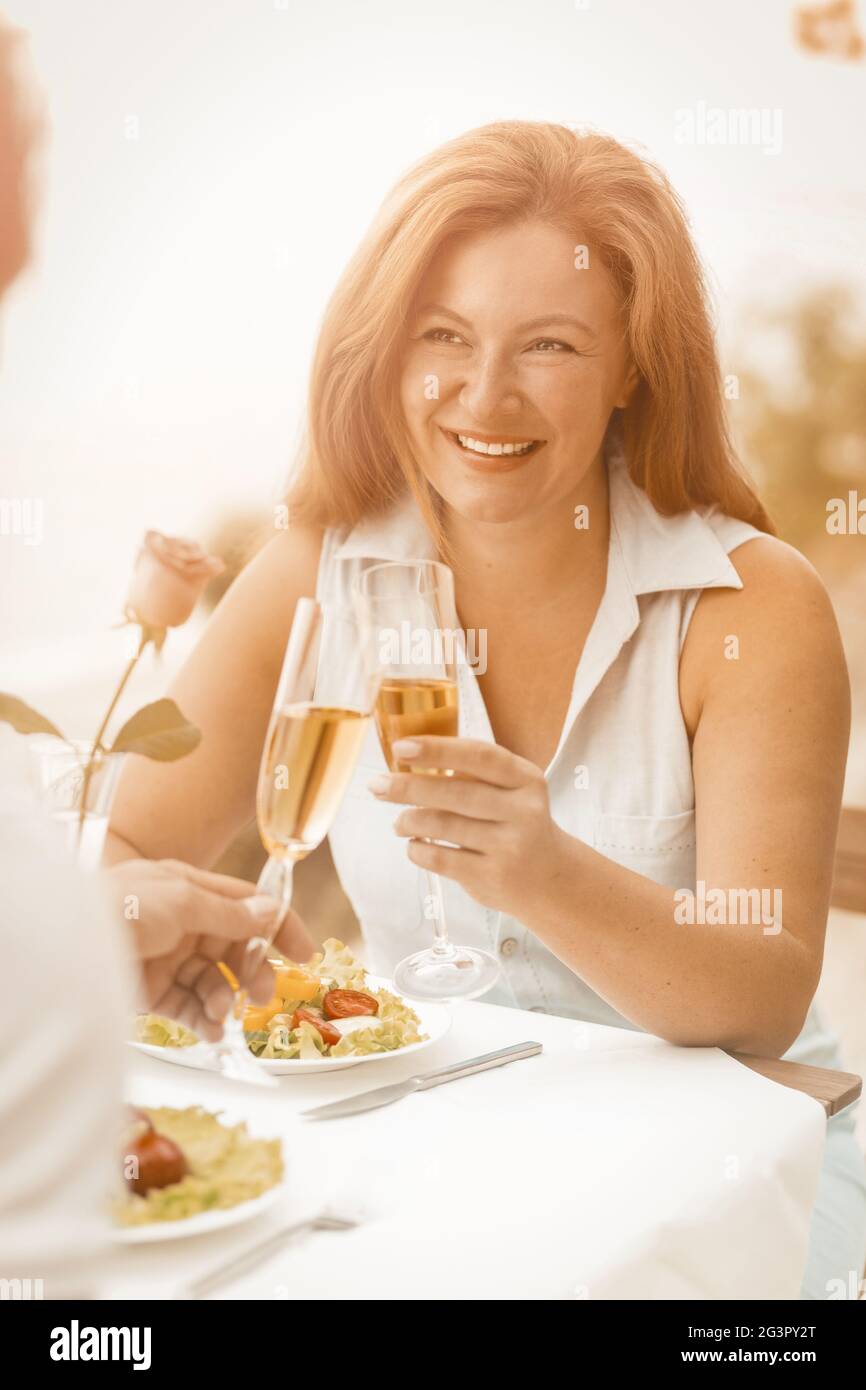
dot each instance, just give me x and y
(191, 809)
(770, 744)
(770, 738)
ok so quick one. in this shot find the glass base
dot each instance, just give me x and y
(234, 1058)
(461, 973)
(236, 1067)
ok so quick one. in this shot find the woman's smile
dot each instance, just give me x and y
(492, 453)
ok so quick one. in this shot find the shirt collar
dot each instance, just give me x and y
(661, 553)
(397, 534)
(658, 553)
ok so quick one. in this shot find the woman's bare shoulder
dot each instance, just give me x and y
(290, 557)
(778, 630)
(283, 570)
(778, 582)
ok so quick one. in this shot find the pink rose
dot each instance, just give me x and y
(168, 578)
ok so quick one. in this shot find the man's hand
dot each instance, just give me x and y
(183, 921)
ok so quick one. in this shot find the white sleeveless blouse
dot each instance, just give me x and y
(620, 778)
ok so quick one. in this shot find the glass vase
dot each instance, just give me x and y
(75, 788)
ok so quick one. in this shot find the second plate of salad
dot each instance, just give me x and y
(323, 1016)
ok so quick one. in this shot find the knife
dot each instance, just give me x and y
(384, 1095)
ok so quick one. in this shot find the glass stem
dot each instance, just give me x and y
(276, 879)
(233, 1037)
(441, 944)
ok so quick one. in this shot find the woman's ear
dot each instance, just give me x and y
(629, 385)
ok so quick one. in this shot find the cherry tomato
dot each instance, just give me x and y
(348, 1003)
(330, 1034)
(155, 1160)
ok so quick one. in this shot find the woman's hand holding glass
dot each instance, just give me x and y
(503, 845)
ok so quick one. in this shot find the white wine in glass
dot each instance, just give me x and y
(320, 714)
(309, 757)
(405, 706)
(408, 628)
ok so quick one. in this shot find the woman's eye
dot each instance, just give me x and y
(442, 335)
(552, 345)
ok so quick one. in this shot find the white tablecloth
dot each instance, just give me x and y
(614, 1165)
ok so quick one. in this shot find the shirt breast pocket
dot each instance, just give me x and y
(659, 847)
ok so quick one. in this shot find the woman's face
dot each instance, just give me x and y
(514, 360)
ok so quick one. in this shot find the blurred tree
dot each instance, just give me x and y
(800, 421)
(801, 417)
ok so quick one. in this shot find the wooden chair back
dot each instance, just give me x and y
(849, 867)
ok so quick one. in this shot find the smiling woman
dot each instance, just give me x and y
(522, 340)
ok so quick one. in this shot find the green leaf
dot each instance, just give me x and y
(158, 731)
(24, 719)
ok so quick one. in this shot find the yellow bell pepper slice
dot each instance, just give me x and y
(296, 984)
(259, 1015)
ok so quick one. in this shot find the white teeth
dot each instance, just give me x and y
(479, 447)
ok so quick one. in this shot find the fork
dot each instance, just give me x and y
(326, 1220)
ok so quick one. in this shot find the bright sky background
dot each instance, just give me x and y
(212, 165)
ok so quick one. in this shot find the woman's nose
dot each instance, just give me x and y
(490, 391)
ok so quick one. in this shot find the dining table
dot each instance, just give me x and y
(612, 1165)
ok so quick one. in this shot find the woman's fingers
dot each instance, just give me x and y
(469, 757)
(440, 859)
(477, 799)
(425, 824)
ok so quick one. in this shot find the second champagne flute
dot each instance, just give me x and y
(320, 714)
(408, 628)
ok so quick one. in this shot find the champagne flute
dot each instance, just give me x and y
(320, 714)
(408, 627)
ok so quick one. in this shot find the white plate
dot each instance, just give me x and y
(200, 1224)
(435, 1022)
